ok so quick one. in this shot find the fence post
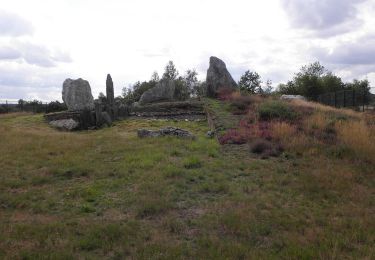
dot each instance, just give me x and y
(344, 99)
(363, 100)
(353, 96)
(335, 99)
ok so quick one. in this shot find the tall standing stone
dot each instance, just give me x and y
(109, 89)
(77, 95)
(218, 77)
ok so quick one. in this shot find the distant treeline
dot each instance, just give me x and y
(34, 106)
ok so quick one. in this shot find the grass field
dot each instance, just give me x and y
(108, 194)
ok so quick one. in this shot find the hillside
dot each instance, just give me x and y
(282, 180)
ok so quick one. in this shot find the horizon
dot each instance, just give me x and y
(41, 47)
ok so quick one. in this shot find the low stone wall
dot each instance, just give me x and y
(175, 110)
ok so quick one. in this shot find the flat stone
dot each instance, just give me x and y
(65, 124)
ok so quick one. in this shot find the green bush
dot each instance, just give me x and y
(275, 110)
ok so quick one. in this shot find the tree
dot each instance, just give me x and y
(102, 98)
(360, 86)
(155, 76)
(181, 89)
(191, 81)
(311, 81)
(170, 72)
(250, 82)
(268, 88)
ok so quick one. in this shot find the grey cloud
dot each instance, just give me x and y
(9, 53)
(361, 52)
(18, 82)
(37, 55)
(33, 54)
(325, 17)
(14, 25)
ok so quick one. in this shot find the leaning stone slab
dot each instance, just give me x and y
(163, 91)
(218, 77)
(168, 131)
(77, 95)
(65, 124)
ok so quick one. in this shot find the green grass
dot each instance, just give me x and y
(108, 194)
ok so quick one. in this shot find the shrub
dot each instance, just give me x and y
(265, 148)
(240, 104)
(259, 146)
(275, 110)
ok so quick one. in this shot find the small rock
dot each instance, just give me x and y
(210, 134)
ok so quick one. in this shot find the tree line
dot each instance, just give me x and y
(187, 85)
(310, 81)
(314, 80)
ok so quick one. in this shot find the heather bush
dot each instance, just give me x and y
(234, 136)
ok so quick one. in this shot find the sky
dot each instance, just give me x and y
(44, 42)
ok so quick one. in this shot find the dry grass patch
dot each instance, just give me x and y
(359, 137)
(319, 107)
(283, 131)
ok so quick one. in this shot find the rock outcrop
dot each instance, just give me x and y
(77, 95)
(168, 131)
(163, 91)
(218, 77)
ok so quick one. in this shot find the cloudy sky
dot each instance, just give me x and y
(44, 42)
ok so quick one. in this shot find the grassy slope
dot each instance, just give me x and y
(109, 194)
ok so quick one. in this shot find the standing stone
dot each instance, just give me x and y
(77, 95)
(98, 114)
(163, 91)
(218, 77)
(109, 89)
